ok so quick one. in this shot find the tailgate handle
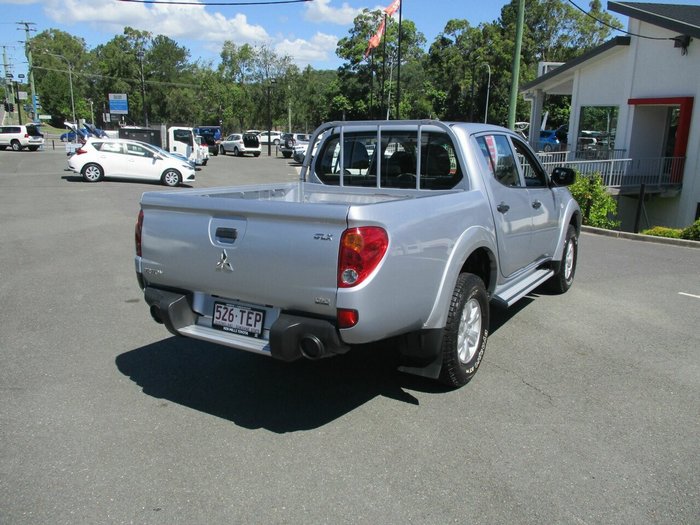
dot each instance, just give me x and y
(228, 235)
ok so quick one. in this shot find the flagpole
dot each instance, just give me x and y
(398, 70)
(383, 71)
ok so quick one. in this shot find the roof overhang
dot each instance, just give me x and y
(683, 19)
(559, 81)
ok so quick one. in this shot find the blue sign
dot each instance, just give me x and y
(118, 104)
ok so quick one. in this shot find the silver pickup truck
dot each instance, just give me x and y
(397, 231)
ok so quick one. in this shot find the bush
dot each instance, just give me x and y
(692, 232)
(663, 231)
(598, 206)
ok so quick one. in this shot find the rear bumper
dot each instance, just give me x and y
(291, 337)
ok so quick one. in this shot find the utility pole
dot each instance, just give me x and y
(6, 74)
(28, 53)
(516, 64)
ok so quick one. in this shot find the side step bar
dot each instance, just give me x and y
(511, 295)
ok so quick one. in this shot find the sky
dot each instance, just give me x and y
(306, 31)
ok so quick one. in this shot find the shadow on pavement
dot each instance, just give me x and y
(255, 391)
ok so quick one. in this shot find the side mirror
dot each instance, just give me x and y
(563, 176)
(157, 157)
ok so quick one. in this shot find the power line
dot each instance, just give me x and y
(97, 75)
(615, 28)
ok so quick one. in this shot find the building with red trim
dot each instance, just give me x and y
(635, 113)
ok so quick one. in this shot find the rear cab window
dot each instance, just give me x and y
(397, 159)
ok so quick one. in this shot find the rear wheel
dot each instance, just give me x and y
(464, 341)
(171, 178)
(16, 146)
(92, 173)
(236, 153)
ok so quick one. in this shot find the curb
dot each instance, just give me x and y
(639, 237)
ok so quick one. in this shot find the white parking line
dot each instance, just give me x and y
(689, 295)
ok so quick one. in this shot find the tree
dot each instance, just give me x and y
(54, 52)
(361, 78)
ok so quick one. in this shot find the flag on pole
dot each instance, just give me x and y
(375, 39)
(393, 7)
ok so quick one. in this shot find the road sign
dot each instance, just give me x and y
(118, 104)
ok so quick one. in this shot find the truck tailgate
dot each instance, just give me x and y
(274, 252)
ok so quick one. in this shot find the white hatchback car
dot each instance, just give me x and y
(129, 159)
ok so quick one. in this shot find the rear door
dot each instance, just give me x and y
(510, 202)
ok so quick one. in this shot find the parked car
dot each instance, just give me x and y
(20, 137)
(548, 140)
(211, 136)
(412, 249)
(240, 144)
(289, 141)
(72, 136)
(274, 137)
(130, 159)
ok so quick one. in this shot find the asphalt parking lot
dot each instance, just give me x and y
(585, 408)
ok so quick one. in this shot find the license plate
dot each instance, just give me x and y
(238, 319)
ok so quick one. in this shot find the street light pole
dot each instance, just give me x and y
(140, 54)
(70, 83)
(269, 119)
(488, 88)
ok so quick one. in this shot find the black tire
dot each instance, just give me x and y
(222, 150)
(171, 178)
(33, 148)
(464, 340)
(564, 278)
(236, 153)
(286, 155)
(16, 146)
(215, 152)
(92, 173)
(256, 154)
(204, 162)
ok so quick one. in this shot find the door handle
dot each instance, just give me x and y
(536, 205)
(503, 207)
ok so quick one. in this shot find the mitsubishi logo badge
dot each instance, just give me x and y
(223, 265)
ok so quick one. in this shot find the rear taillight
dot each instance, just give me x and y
(26, 135)
(361, 251)
(80, 151)
(137, 235)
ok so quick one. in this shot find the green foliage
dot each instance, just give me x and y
(598, 206)
(663, 231)
(449, 81)
(692, 232)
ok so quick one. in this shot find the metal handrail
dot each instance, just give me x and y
(617, 173)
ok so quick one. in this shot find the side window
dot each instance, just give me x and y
(183, 135)
(111, 147)
(535, 176)
(500, 159)
(137, 151)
